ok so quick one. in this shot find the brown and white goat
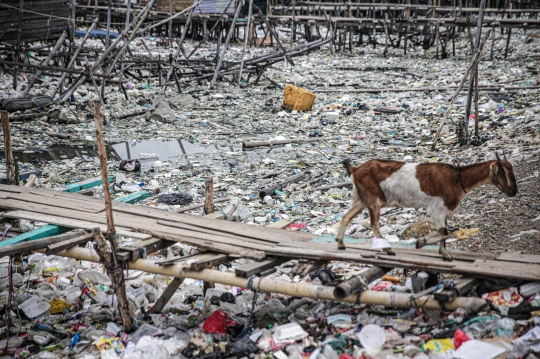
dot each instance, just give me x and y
(438, 187)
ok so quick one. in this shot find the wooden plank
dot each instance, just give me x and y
(133, 197)
(149, 246)
(518, 257)
(463, 285)
(72, 223)
(215, 260)
(41, 232)
(216, 246)
(79, 206)
(250, 269)
(166, 295)
(58, 247)
(89, 183)
(215, 215)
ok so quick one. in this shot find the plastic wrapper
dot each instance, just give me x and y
(218, 322)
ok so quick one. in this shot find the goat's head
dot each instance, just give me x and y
(504, 178)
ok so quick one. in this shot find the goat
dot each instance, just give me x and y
(438, 187)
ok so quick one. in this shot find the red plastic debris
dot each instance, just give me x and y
(460, 338)
(218, 322)
(346, 356)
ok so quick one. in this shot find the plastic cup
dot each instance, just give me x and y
(372, 338)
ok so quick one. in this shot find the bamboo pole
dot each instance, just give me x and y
(46, 62)
(11, 171)
(353, 285)
(270, 190)
(103, 166)
(473, 61)
(335, 185)
(400, 300)
(199, 205)
(247, 32)
(476, 111)
(170, 18)
(224, 49)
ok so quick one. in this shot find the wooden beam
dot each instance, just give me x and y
(166, 295)
(38, 233)
(463, 285)
(250, 269)
(60, 246)
(133, 197)
(89, 183)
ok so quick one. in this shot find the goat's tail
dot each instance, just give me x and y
(347, 164)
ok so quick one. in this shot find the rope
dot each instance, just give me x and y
(253, 302)
(363, 286)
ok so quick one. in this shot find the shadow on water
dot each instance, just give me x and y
(116, 152)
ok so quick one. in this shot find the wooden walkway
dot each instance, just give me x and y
(224, 240)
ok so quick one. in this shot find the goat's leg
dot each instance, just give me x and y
(442, 245)
(374, 214)
(356, 208)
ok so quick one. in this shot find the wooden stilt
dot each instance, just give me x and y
(246, 37)
(209, 196)
(11, 171)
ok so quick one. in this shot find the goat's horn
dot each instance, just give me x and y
(498, 159)
(504, 156)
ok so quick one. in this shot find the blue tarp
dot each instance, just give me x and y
(97, 33)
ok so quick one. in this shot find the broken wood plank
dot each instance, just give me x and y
(463, 285)
(60, 246)
(250, 269)
(166, 295)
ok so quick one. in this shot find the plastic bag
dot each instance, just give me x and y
(130, 165)
(460, 338)
(438, 345)
(325, 275)
(178, 199)
(218, 322)
(145, 329)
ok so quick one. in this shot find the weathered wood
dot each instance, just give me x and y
(166, 295)
(198, 205)
(246, 36)
(146, 246)
(60, 246)
(31, 181)
(115, 273)
(463, 285)
(249, 269)
(32, 245)
(254, 144)
(335, 185)
(209, 195)
(103, 165)
(216, 260)
(11, 171)
(454, 98)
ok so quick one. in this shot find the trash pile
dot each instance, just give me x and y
(62, 308)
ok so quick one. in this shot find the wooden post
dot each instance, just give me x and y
(385, 34)
(476, 111)
(107, 44)
(464, 129)
(507, 43)
(103, 164)
(460, 86)
(46, 63)
(170, 22)
(224, 49)
(247, 33)
(19, 44)
(11, 171)
(209, 196)
(115, 272)
(74, 57)
(492, 45)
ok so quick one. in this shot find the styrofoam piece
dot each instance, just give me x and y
(34, 307)
(289, 332)
(372, 338)
(343, 318)
(526, 290)
(379, 243)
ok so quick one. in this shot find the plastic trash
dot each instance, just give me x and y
(325, 275)
(372, 338)
(34, 307)
(289, 332)
(474, 349)
(218, 322)
(178, 199)
(145, 329)
(460, 338)
(129, 166)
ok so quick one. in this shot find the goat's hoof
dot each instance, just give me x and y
(341, 247)
(390, 251)
(446, 256)
(419, 244)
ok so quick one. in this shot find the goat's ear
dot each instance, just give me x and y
(504, 156)
(495, 173)
(498, 159)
